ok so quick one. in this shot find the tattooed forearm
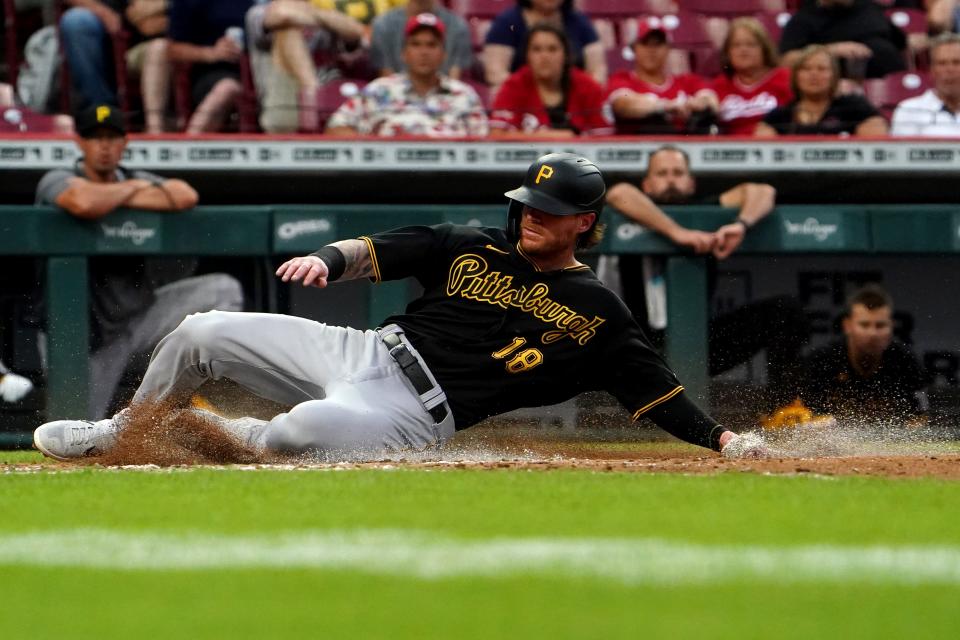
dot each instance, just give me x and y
(358, 260)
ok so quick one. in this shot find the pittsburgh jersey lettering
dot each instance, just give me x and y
(492, 328)
(470, 278)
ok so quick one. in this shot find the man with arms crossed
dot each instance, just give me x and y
(135, 301)
(777, 325)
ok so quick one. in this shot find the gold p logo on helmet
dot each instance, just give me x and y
(103, 112)
(546, 172)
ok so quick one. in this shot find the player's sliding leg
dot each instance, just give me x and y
(360, 418)
(281, 358)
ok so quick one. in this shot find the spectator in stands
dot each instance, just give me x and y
(937, 111)
(816, 108)
(149, 18)
(13, 386)
(284, 34)
(86, 30)
(134, 301)
(387, 41)
(548, 97)
(943, 15)
(777, 325)
(199, 37)
(857, 32)
(503, 52)
(867, 377)
(751, 84)
(421, 101)
(648, 99)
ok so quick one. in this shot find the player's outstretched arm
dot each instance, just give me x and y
(682, 418)
(343, 260)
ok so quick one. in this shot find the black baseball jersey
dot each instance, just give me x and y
(499, 334)
(892, 394)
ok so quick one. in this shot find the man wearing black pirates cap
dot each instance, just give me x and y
(508, 318)
(134, 300)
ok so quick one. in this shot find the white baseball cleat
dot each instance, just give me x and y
(68, 439)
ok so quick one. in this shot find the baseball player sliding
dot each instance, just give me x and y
(508, 319)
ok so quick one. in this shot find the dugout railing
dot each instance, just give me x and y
(264, 231)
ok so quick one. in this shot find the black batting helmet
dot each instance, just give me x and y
(563, 184)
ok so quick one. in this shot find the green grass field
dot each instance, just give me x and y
(205, 553)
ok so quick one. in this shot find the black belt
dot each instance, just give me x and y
(414, 372)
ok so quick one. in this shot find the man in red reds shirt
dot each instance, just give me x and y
(648, 99)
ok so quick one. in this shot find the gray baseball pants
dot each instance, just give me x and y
(173, 303)
(350, 397)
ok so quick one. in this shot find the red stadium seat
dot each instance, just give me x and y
(11, 49)
(686, 30)
(21, 119)
(887, 92)
(627, 8)
(733, 8)
(248, 106)
(619, 59)
(678, 61)
(913, 22)
(480, 8)
(18, 26)
(705, 61)
(182, 100)
(328, 99)
(478, 15)
(774, 23)
(483, 92)
(908, 20)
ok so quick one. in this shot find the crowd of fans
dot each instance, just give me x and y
(452, 68)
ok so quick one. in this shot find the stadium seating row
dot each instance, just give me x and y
(697, 30)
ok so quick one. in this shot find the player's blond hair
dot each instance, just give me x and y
(591, 238)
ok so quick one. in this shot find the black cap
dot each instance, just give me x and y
(100, 116)
(561, 184)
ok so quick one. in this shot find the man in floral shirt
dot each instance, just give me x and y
(419, 102)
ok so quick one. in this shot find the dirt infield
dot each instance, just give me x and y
(946, 466)
(158, 436)
(546, 452)
(942, 466)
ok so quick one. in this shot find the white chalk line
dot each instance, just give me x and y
(634, 561)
